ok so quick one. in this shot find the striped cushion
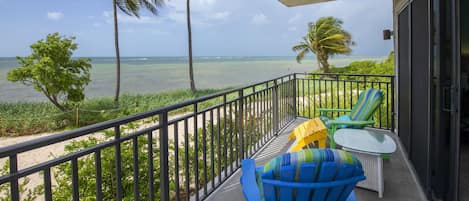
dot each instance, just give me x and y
(307, 156)
(367, 103)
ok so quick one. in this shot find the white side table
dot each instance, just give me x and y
(368, 146)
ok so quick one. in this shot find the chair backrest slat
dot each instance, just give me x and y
(269, 190)
(248, 180)
(349, 188)
(345, 171)
(287, 173)
(307, 174)
(326, 173)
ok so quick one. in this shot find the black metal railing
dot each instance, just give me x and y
(165, 155)
(328, 90)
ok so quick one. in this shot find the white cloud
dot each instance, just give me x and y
(259, 19)
(131, 19)
(220, 15)
(55, 15)
(203, 12)
(96, 24)
(295, 18)
(292, 28)
(196, 5)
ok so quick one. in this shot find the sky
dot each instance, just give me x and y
(220, 27)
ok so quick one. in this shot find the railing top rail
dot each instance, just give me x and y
(67, 135)
(341, 74)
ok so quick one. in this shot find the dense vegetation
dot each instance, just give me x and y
(385, 67)
(24, 118)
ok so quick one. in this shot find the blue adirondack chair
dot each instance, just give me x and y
(306, 175)
(361, 114)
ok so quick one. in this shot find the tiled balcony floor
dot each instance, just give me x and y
(399, 182)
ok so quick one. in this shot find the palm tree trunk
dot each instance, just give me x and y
(189, 31)
(118, 59)
(318, 60)
(322, 58)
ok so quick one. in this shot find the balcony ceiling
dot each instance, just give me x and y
(291, 3)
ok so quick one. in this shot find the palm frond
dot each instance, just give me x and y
(301, 55)
(300, 46)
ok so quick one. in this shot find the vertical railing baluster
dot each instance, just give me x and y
(309, 97)
(225, 135)
(98, 174)
(231, 136)
(247, 125)
(320, 93)
(240, 120)
(387, 106)
(314, 96)
(258, 125)
(117, 136)
(219, 145)
(176, 158)
(392, 105)
(332, 95)
(186, 159)
(237, 133)
(337, 89)
(204, 150)
(47, 184)
(196, 153)
(344, 95)
(151, 183)
(164, 153)
(212, 150)
(379, 108)
(135, 168)
(76, 191)
(14, 188)
(275, 107)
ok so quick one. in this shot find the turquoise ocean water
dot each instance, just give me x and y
(155, 74)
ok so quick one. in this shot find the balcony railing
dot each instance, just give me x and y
(163, 155)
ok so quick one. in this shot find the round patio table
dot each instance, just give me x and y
(368, 146)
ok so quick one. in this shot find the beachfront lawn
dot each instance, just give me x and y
(26, 118)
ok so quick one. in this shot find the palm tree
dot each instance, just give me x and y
(325, 38)
(189, 31)
(131, 8)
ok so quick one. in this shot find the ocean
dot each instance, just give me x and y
(140, 75)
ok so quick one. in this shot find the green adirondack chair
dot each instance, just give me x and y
(360, 116)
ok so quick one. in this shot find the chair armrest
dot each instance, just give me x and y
(351, 123)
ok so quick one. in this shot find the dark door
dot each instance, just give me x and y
(404, 79)
(445, 122)
(414, 85)
(420, 79)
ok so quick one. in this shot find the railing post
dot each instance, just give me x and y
(241, 121)
(14, 187)
(164, 167)
(275, 107)
(295, 103)
(393, 113)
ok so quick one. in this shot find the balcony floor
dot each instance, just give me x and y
(398, 178)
